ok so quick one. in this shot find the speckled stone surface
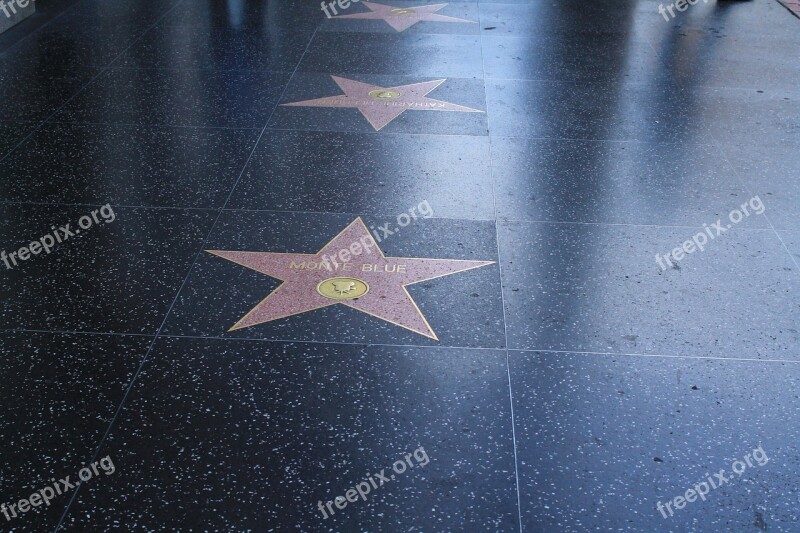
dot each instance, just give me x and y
(113, 277)
(315, 171)
(463, 309)
(181, 97)
(307, 86)
(131, 13)
(772, 170)
(734, 115)
(11, 134)
(30, 95)
(602, 440)
(76, 41)
(217, 48)
(524, 18)
(587, 110)
(260, 17)
(16, 16)
(127, 165)
(764, 62)
(238, 435)
(606, 135)
(669, 184)
(751, 20)
(45, 13)
(58, 396)
(447, 56)
(400, 19)
(598, 288)
(569, 57)
(791, 240)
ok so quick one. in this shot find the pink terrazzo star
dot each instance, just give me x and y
(792, 5)
(381, 105)
(402, 18)
(307, 277)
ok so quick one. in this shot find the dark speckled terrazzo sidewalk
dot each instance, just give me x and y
(338, 241)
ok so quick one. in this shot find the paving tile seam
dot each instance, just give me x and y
(38, 125)
(121, 206)
(791, 255)
(202, 69)
(434, 33)
(144, 360)
(248, 128)
(99, 446)
(657, 356)
(6, 53)
(412, 346)
(754, 142)
(424, 77)
(792, 5)
(367, 132)
(155, 346)
(489, 135)
(86, 84)
(502, 301)
(147, 125)
(375, 214)
(233, 210)
(663, 85)
(740, 178)
(621, 78)
(569, 222)
(6, 121)
(645, 142)
(66, 332)
(248, 339)
(371, 214)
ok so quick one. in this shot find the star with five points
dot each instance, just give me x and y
(368, 282)
(381, 105)
(402, 18)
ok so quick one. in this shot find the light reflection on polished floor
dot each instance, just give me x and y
(505, 232)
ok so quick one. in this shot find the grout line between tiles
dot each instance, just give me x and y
(180, 288)
(661, 356)
(502, 296)
(365, 213)
(414, 346)
(746, 186)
